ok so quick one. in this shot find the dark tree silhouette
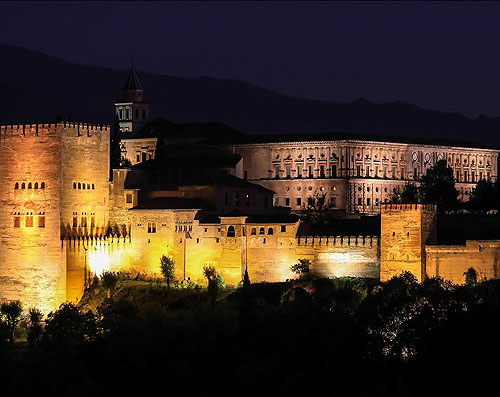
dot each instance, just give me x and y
(12, 312)
(167, 266)
(438, 186)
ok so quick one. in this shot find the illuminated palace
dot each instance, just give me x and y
(207, 194)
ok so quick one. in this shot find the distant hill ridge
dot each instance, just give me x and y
(37, 88)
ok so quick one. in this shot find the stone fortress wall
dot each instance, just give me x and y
(57, 204)
(38, 164)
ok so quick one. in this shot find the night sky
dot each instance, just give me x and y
(444, 56)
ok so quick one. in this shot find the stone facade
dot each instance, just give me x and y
(49, 174)
(356, 176)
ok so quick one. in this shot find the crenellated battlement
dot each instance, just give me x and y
(407, 207)
(337, 241)
(38, 129)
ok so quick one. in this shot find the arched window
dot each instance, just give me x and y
(23, 185)
(16, 186)
(79, 185)
(83, 186)
(230, 231)
(30, 186)
(262, 230)
(270, 231)
(93, 187)
(42, 185)
(74, 185)
(253, 232)
(36, 185)
(88, 186)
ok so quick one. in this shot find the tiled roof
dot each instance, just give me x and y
(171, 203)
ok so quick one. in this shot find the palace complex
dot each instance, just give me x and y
(206, 194)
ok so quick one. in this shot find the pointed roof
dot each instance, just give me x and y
(132, 82)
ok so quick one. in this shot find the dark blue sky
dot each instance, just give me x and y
(444, 56)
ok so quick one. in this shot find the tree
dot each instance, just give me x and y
(167, 266)
(109, 280)
(408, 194)
(246, 312)
(35, 328)
(470, 277)
(301, 267)
(67, 328)
(12, 312)
(317, 208)
(485, 196)
(213, 279)
(438, 186)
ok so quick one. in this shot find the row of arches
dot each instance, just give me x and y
(83, 186)
(253, 231)
(29, 185)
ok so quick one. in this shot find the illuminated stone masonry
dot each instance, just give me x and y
(356, 175)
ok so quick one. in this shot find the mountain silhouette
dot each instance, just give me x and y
(36, 87)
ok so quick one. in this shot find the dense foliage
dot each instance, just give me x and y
(327, 336)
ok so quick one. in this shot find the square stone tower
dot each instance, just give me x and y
(405, 230)
(53, 185)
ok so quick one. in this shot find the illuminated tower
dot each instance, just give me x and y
(132, 111)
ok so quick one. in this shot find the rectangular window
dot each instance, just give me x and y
(367, 174)
(358, 170)
(368, 201)
(488, 175)
(415, 173)
(17, 221)
(143, 156)
(84, 221)
(321, 171)
(466, 176)
(333, 202)
(480, 175)
(121, 114)
(473, 176)
(299, 201)
(283, 228)
(92, 222)
(129, 198)
(311, 171)
(276, 172)
(288, 169)
(299, 171)
(376, 171)
(457, 177)
(360, 201)
(385, 172)
(376, 201)
(393, 172)
(75, 222)
(29, 220)
(151, 227)
(41, 220)
(127, 114)
(402, 176)
(138, 157)
(334, 171)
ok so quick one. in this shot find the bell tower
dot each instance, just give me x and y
(132, 111)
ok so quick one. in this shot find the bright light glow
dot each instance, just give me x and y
(99, 261)
(339, 257)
